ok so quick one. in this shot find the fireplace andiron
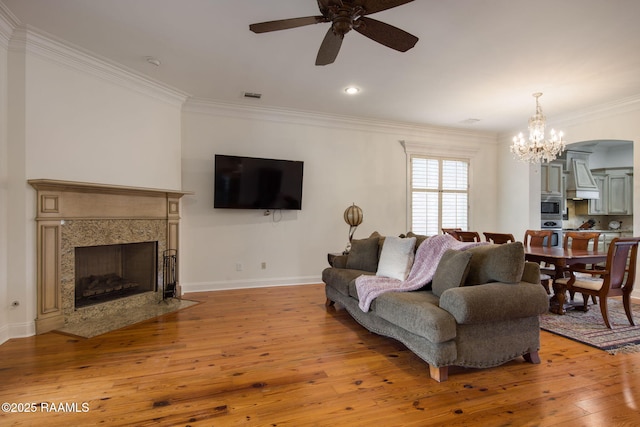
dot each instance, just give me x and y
(169, 258)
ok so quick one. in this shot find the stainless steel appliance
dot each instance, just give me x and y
(551, 208)
(556, 227)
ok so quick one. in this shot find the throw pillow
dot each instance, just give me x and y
(451, 272)
(363, 254)
(419, 238)
(496, 263)
(396, 258)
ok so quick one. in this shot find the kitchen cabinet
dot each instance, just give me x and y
(620, 194)
(551, 179)
(600, 206)
(616, 192)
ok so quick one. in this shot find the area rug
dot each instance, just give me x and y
(125, 317)
(589, 328)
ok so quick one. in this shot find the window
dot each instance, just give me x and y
(439, 194)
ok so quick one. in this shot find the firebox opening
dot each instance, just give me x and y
(108, 272)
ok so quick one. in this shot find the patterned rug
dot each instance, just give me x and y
(589, 327)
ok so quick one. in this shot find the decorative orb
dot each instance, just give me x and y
(353, 215)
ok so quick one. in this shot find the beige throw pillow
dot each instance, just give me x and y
(396, 258)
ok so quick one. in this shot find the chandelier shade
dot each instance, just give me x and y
(538, 148)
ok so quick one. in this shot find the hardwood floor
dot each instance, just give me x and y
(278, 357)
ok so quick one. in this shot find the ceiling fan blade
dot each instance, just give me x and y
(285, 24)
(386, 34)
(373, 6)
(329, 48)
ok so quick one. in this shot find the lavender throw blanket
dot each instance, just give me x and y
(424, 267)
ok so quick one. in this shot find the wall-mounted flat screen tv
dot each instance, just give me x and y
(256, 183)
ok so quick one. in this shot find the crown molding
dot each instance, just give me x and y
(326, 120)
(620, 106)
(578, 117)
(8, 22)
(46, 46)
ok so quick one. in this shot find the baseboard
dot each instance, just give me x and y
(247, 284)
(17, 330)
(4, 334)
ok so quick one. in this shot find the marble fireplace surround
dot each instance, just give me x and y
(72, 214)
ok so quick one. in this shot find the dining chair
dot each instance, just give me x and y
(616, 279)
(467, 236)
(541, 238)
(581, 240)
(499, 238)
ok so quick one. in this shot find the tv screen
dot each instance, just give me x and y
(255, 183)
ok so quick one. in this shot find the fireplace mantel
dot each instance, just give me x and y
(61, 202)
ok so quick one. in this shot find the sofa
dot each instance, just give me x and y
(479, 310)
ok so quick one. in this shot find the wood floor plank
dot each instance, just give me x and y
(278, 357)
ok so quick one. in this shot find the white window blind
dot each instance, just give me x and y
(439, 194)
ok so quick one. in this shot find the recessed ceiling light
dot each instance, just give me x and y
(352, 90)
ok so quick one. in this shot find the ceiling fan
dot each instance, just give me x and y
(344, 16)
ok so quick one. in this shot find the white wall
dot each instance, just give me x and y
(345, 162)
(84, 127)
(614, 157)
(4, 177)
(75, 117)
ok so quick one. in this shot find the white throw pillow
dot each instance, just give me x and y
(396, 257)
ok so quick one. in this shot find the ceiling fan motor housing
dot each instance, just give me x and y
(344, 18)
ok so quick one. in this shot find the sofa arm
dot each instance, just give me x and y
(494, 302)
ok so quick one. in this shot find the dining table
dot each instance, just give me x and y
(562, 259)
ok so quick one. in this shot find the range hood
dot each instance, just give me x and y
(580, 183)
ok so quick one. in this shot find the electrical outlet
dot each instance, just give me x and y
(264, 265)
(238, 266)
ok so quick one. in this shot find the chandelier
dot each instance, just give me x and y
(537, 148)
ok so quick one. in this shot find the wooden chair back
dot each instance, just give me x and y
(467, 236)
(451, 231)
(499, 238)
(621, 263)
(537, 238)
(580, 239)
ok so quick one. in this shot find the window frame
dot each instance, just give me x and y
(439, 190)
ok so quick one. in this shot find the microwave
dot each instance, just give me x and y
(551, 207)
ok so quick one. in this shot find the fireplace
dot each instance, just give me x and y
(108, 272)
(100, 249)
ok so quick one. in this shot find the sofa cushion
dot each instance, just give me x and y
(418, 313)
(396, 258)
(452, 271)
(364, 254)
(339, 278)
(496, 263)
